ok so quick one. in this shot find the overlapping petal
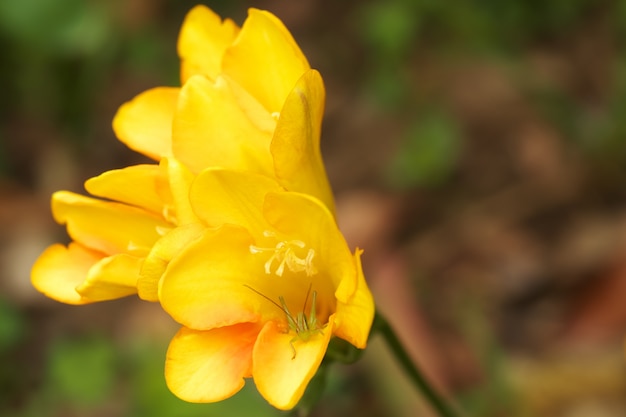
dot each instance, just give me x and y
(105, 226)
(204, 287)
(111, 278)
(77, 275)
(265, 59)
(295, 145)
(213, 126)
(235, 197)
(164, 250)
(59, 270)
(121, 185)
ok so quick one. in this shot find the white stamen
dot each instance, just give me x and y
(285, 254)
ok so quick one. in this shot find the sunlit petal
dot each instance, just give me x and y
(280, 376)
(295, 145)
(209, 366)
(265, 59)
(59, 270)
(144, 124)
(111, 278)
(105, 226)
(202, 41)
(211, 128)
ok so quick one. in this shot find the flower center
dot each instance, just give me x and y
(285, 254)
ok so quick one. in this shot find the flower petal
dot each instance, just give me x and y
(111, 278)
(279, 376)
(265, 59)
(106, 226)
(123, 184)
(204, 287)
(295, 145)
(59, 270)
(212, 128)
(202, 41)
(209, 366)
(355, 315)
(221, 196)
(163, 251)
(144, 124)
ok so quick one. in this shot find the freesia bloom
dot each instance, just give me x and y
(233, 232)
(249, 100)
(245, 290)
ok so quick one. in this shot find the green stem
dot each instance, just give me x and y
(436, 400)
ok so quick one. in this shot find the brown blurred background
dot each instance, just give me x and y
(477, 150)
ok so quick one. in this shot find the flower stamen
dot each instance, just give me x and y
(285, 254)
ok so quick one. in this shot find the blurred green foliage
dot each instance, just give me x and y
(11, 326)
(81, 372)
(399, 33)
(428, 152)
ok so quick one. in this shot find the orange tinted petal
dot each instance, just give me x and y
(212, 128)
(279, 376)
(295, 145)
(111, 278)
(202, 41)
(134, 185)
(144, 124)
(209, 366)
(265, 59)
(105, 226)
(59, 270)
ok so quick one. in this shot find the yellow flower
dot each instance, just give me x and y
(233, 232)
(236, 82)
(260, 291)
(249, 100)
(112, 238)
